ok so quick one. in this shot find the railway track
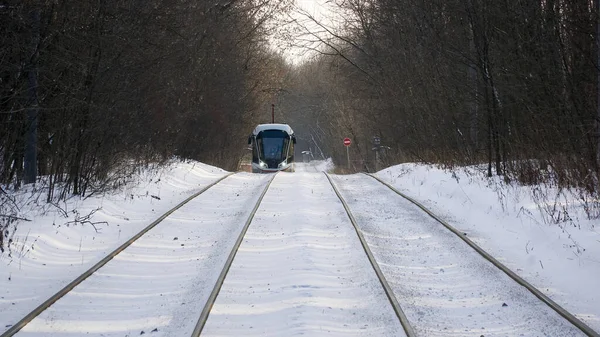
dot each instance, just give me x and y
(303, 272)
(105, 276)
(523, 321)
(215, 292)
(330, 268)
(408, 329)
(532, 289)
(405, 247)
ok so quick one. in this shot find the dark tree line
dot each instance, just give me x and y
(512, 84)
(107, 85)
(92, 90)
(110, 85)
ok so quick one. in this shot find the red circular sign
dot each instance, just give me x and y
(347, 141)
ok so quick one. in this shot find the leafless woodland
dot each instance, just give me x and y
(92, 90)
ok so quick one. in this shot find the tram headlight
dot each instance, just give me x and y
(262, 164)
(282, 164)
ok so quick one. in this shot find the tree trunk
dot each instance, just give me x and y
(598, 85)
(32, 110)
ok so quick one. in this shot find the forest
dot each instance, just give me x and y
(508, 86)
(110, 85)
(91, 91)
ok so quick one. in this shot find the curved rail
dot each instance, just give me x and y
(33, 314)
(547, 300)
(215, 292)
(386, 287)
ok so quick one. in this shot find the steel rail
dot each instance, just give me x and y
(386, 287)
(547, 300)
(221, 279)
(33, 314)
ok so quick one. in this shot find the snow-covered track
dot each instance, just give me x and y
(215, 292)
(46, 304)
(388, 290)
(445, 288)
(301, 271)
(463, 236)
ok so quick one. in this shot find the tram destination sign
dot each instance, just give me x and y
(347, 141)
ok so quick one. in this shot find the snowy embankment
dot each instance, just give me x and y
(316, 262)
(444, 286)
(561, 259)
(50, 251)
(159, 283)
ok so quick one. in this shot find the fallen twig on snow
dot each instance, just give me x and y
(86, 219)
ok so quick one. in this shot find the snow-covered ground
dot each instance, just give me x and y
(561, 259)
(317, 270)
(164, 277)
(444, 286)
(301, 271)
(315, 166)
(49, 252)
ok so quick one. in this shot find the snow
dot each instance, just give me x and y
(163, 277)
(300, 269)
(441, 283)
(315, 166)
(48, 253)
(562, 260)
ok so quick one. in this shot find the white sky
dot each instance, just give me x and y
(321, 10)
(314, 7)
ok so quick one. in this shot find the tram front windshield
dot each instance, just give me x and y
(272, 145)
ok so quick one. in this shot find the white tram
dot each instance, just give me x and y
(272, 148)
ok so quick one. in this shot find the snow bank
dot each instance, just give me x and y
(315, 166)
(561, 259)
(53, 248)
